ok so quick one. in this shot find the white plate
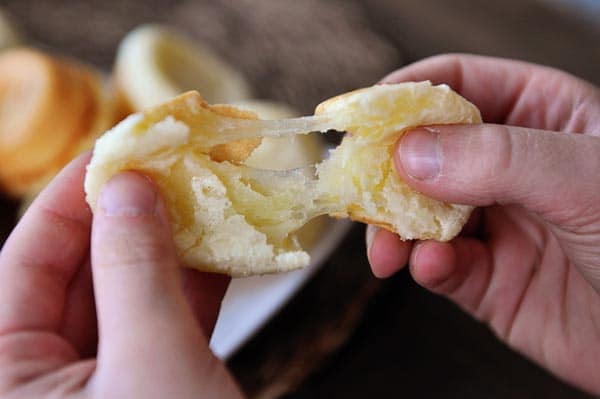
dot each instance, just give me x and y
(250, 302)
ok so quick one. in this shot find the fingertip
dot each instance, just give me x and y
(79, 162)
(433, 263)
(397, 76)
(386, 252)
(64, 195)
(390, 78)
(85, 157)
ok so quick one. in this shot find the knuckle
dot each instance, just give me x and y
(140, 251)
(483, 163)
(501, 155)
(503, 149)
(484, 153)
(134, 245)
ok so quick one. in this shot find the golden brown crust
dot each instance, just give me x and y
(103, 112)
(19, 185)
(59, 102)
(29, 82)
(235, 151)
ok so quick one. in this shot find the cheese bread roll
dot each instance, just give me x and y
(232, 218)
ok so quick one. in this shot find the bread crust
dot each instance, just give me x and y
(58, 103)
(239, 150)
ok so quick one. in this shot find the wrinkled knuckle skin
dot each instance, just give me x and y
(500, 156)
(504, 142)
(480, 155)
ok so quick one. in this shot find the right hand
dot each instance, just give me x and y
(528, 261)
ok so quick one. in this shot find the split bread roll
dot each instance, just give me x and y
(231, 218)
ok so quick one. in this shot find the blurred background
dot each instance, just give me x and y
(346, 334)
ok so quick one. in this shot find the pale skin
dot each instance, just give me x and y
(528, 261)
(111, 316)
(97, 306)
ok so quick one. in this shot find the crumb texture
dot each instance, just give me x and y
(239, 219)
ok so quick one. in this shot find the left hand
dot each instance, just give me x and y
(123, 322)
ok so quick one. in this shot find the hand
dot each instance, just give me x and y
(153, 319)
(528, 261)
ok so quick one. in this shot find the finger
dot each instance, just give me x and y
(512, 92)
(386, 252)
(145, 324)
(79, 315)
(204, 293)
(551, 174)
(43, 254)
(137, 280)
(460, 270)
(487, 164)
(489, 279)
(135, 269)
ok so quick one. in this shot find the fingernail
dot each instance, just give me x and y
(371, 232)
(370, 236)
(419, 154)
(128, 194)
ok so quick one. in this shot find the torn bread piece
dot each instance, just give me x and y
(231, 218)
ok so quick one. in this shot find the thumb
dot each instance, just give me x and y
(134, 265)
(550, 173)
(145, 324)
